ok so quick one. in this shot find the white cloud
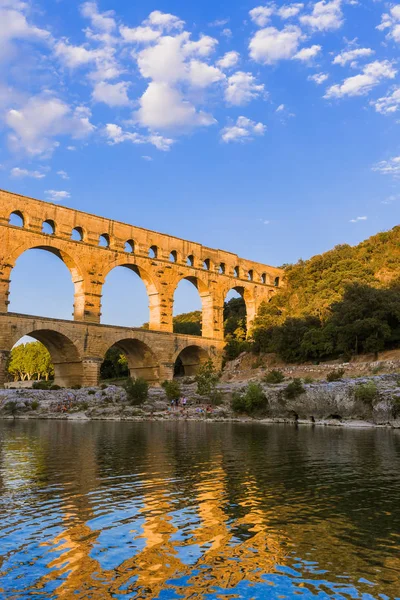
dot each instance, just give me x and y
(325, 16)
(391, 21)
(280, 108)
(261, 15)
(112, 94)
(63, 174)
(73, 56)
(229, 60)
(270, 45)
(352, 56)
(14, 26)
(219, 23)
(141, 34)
(101, 21)
(202, 75)
(116, 135)
(358, 219)
(226, 32)
(163, 107)
(242, 131)
(57, 195)
(44, 118)
(307, 54)
(287, 11)
(361, 84)
(17, 172)
(318, 78)
(388, 104)
(388, 167)
(242, 88)
(148, 158)
(164, 21)
(71, 148)
(203, 47)
(102, 58)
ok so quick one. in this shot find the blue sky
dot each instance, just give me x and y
(269, 129)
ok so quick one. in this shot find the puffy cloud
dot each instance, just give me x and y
(103, 59)
(326, 16)
(112, 94)
(74, 56)
(358, 219)
(43, 118)
(388, 167)
(391, 21)
(116, 135)
(243, 130)
(388, 104)
(270, 45)
(141, 34)
(242, 88)
(229, 60)
(17, 172)
(57, 195)
(164, 21)
(163, 107)
(163, 62)
(352, 56)
(361, 84)
(287, 11)
(307, 54)
(15, 26)
(203, 47)
(101, 21)
(202, 75)
(260, 15)
(318, 78)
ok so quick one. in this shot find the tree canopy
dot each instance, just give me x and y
(29, 361)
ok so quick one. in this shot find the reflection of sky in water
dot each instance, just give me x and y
(160, 516)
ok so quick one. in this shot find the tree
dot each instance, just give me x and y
(30, 360)
(207, 379)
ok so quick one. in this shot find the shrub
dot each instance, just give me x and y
(250, 399)
(83, 406)
(274, 376)
(234, 348)
(137, 390)
(207, 379)
(76, 387)
(396, 407)
(172, 389)
(294, 389)
(55, 387)
(257, 363)
(34, 404)
(336, 375)
(41, 385)
(103, 386)
(308, 380)
(91, 392)
(366, 392)
(11, 407)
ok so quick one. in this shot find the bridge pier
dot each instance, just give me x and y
(91, 372)
(4, 355)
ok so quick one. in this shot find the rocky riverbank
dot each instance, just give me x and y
(336, 403)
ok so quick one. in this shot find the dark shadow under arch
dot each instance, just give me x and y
(142, 361)
(189, 360)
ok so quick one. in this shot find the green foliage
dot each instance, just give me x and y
(250, 399)
(234, 348)
(207, 379)
(41, 385)
(55, 387)
(274, 377)
(336, 375)
(137, 390)
(235, 319)
(294, 389)
(34, 404)
(366, 392)
(91, 392)
(76, 387)
(188, 323)
(172, 389)
(115, 364)
(308, 380)
(31, 360)
(11, 407)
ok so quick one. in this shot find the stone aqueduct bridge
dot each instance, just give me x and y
(91, 246)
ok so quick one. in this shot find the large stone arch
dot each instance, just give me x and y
(188, 360)
(152, 288)
(248, 296)
(65, 354)
(207, 303)
(78, 275)
(142, 360)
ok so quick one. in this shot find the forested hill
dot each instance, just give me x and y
(315, 284)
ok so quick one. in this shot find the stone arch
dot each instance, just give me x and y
(188, 360)
(207, 303)
(76, 271)
(49, 227)
(249, 300)
(65, 355)
(18, 217)
(77, 234)
(152, 290)
(142, 360)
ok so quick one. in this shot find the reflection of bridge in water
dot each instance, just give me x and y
(91, 247)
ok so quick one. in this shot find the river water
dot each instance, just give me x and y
(198, 510)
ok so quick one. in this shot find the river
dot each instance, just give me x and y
(198, 510)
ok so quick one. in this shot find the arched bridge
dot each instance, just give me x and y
(91, 246)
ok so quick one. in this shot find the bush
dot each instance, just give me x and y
(83, 406)
(91, 392)
(274, 377)
(34, 404)
(172, 389)
(55, 387)
(41, 385)
(366, 392)
(250, 399)
(336, 375)
(11, 407)
(76, 387)
(294, 389)
(103, 386)
(308, 380)
(137, 390)
(207, 379)
(234, 348)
